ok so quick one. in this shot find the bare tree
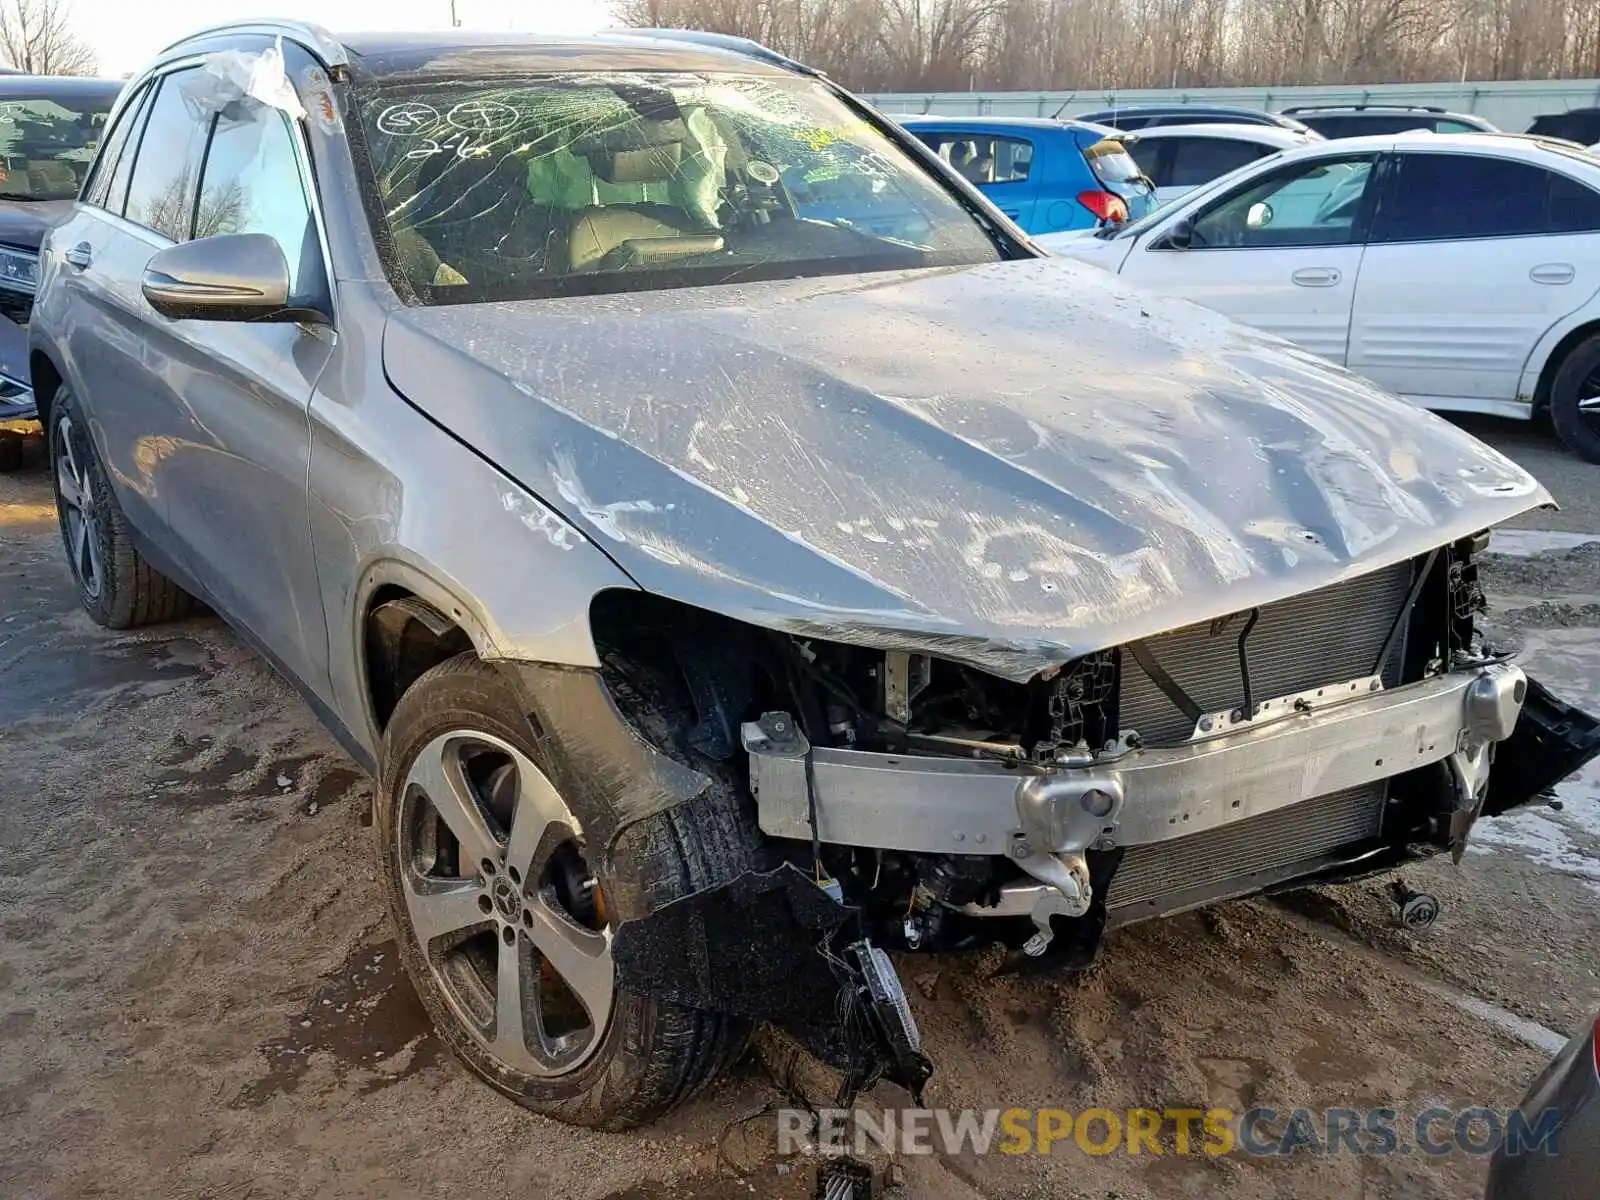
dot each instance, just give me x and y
(36, 37)
(1095, 45)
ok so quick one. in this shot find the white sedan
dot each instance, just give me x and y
(1180, 158)
(1462, 272)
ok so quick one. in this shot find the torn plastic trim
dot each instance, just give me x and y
(604, 769)
(225, 76)
(772, 947)
(1552, 740)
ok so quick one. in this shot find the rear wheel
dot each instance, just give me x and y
(1575, 400)
(505, 929)
(115, 584)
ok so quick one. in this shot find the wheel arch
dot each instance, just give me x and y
(46, 378)
(407, 622)
(1566, 342)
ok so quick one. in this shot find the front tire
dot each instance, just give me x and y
(116, 587)
(504, 927)
(1577, 381)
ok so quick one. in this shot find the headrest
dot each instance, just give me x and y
(648, 164)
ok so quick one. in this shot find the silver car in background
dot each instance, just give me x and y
(727, 588)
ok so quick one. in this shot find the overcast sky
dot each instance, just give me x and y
(125, 33)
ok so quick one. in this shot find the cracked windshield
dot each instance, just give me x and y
(600, 183)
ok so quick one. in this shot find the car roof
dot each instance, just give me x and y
(982, 123)
(1379, 110)
(1143, 110)
(460, 52)
(1269, 135)
(1493, 144)
(15, 87)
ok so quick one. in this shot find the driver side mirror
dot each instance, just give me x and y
(1259, 215)
(1180, 235)
(232, 277)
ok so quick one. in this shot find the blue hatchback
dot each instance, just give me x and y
(1045, 175)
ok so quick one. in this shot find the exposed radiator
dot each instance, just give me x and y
(1245, 848)
(1326, 636)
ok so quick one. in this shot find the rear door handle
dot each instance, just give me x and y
(1315, 277)
(80, 256)
(1553, 273)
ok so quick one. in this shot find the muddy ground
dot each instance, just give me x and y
(200, 995)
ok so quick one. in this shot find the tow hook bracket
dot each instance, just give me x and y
(1418, 910)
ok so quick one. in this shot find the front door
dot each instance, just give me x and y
(204, 423)
(1281, 253)
(1473, 257)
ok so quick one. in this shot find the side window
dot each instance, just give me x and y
(161, 191)
(983, 158)
(1574, 208)
(1447, 197)
(252, 184)
(1200, 160)
(105, 166)
(1308, 204)
(1334, 128)
(1148, 156)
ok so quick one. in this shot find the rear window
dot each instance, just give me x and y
(599, 182)
(1111, 162)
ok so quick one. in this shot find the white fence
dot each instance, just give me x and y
(1510, 105)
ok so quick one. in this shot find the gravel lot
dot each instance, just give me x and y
(200, 995)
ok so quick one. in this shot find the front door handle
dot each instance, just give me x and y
(1315, 277)
(1553, 273)
(80, 256)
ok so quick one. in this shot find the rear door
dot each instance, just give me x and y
(1473, 258)
(1281, 251)
(1002, 166)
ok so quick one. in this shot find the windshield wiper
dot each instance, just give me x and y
(29, 196)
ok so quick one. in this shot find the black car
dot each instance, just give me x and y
(1146, 116)
(1358, 120)
(49, 129)
(1554, 1153)
(1581, 125)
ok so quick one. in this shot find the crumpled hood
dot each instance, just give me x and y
(1007, 465)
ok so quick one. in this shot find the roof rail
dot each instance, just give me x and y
(1363, 107)
(314, 38)
(723, 41)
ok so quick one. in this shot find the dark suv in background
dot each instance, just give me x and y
(1147, 116)
(49, 129)
(1358, 120)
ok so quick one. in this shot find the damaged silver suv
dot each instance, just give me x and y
(736, 551)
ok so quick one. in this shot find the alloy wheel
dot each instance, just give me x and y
(80, 521)
(1589, 399)
(500, 899)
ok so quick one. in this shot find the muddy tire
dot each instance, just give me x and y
(1577, 380)
(115, 585)
(485, 876)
